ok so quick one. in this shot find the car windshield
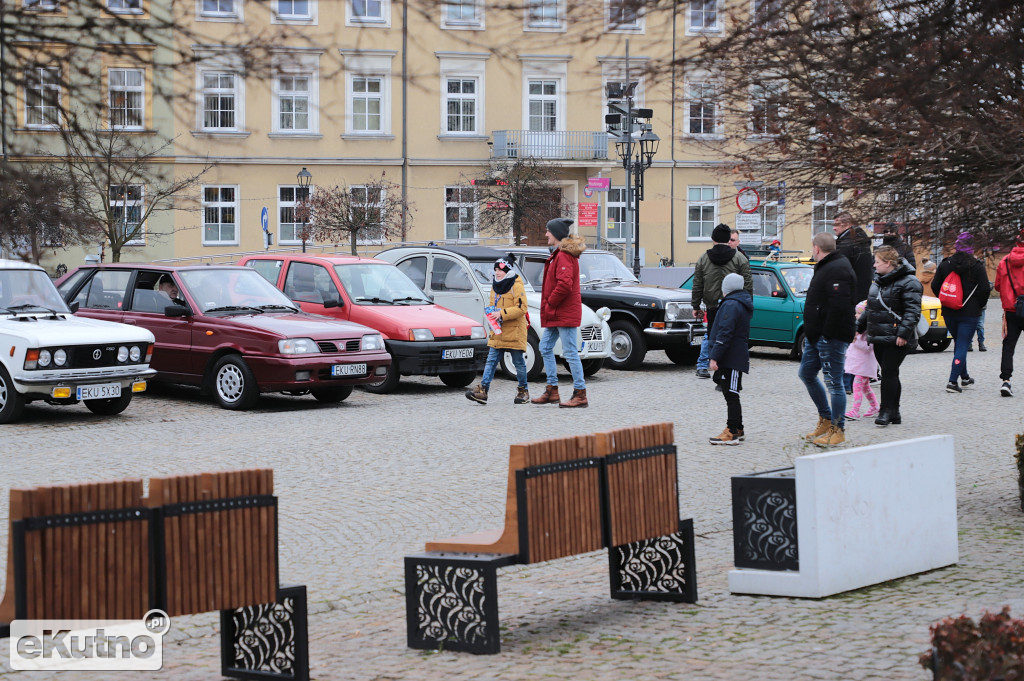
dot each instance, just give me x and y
(798, 278)
(601, 267)
(236, 289)
(484, 271)
(379, 284)
(29, 291)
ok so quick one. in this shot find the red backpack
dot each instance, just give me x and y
(951, 294)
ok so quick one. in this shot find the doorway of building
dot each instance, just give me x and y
(547, 204)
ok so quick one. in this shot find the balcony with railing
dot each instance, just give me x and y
(565, 145)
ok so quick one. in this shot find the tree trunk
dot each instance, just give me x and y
(352, 241)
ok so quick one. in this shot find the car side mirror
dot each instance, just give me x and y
(334, 302)
(73, 307)
(778, 294)
(176, 311)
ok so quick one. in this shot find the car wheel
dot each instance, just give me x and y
(683, 356)
(628, 346)
(388, 383)
(335, 393)
(234, 386)
(534, 362)
(934, 345)
(458, 379)
(110, 406)
(797, 351)
(11, 401)
(592, 366)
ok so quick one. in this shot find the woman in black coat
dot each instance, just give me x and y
(894, 306)
(963, 322)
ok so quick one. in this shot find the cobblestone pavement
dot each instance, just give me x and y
(365, 482)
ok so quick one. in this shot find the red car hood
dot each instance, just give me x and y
(401, 318)
(295, 325)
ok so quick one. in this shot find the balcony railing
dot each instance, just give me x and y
(578, 145)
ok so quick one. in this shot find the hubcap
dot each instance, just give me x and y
(3, 393)
(622, 345)
(230, 383)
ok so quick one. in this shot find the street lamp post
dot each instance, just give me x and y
(637, 154)
(304, 177)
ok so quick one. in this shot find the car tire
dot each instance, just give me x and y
(12, 403)
(592, 366)
(934, 345)
(110, 406)
(332, 394)
(534, 362)
(458, 379)
(628, 346)
(683, 356)
(797, 351)
(234, 386)
(388, 383)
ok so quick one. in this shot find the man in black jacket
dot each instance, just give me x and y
(829, 327)
(855, 244)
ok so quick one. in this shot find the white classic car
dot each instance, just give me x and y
(48, 354)
(459, 278)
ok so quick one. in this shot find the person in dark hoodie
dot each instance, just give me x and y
(855, 244)
(730, 354)
(963, 322)
(711, 269)
(891, 238)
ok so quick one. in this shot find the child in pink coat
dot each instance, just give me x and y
(861, 362)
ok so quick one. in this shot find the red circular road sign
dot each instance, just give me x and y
(748, 200)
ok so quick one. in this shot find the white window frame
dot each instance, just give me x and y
(703, 28)
(464, 67)
(475, 23)
(613, 7)
(223, 61)
(296, 65)
(283, 205)
(368, 64)
(126, 89)
(383, 21)
(139, 204)
(461, 205)
(279, 17)
(831, 205)
(126, 6)
(763, 93)
(235, 14)
(690, 101)
(461, 98)
(51, 84)
(702, 202)
(557, 24)
(622, 227)
(220, 204)
(383, 198)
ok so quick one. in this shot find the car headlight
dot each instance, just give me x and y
(60, 358)
(372, 341)
(603, 313)
(297, 346)
(477, 332)
(671, 312)
(135, 353)
(421, 335)
(122, 354)
(932, 314)
(44, 358)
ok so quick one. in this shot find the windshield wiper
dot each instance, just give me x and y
(375, 300)
(235, 308)
(278, 307)
(407, 298)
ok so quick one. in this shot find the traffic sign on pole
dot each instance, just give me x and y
(265, 219)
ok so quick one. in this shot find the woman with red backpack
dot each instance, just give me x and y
(961, 283)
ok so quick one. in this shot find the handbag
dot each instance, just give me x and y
(920, 329)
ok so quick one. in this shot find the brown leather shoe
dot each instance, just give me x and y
(822, 428)
(578, 399)
(549, 396)
(522, 396)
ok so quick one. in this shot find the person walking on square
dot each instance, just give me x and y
(730, 355)
(828, 330)
(1010, 284)
(894, 307)
(508, 298)
(712, 266)
(962, 322)
(561, 309)
(703, 358)
(861, 362)
(855, 244)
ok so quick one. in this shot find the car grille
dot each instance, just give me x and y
(83, 356)
(591, 333)
(339, 346)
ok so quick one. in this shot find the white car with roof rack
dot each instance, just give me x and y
(46, 353)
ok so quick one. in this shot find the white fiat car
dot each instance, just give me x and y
(459, 278)
(48, 354)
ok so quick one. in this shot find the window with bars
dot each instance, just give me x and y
(42, 97)
(459, 213)
(701, 109)
(126, 208)
(293, 102)
(824, 208)
(617, 228)
(461, 104)
(289, 229)
(367, 101)
(701, 211)
(219, 100)
(220, 215)
(543, 105)
(126, 98)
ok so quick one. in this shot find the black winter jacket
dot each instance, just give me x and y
(829, 307)
(901, 291)
(972, 273)
(856, 246)
(729, 341)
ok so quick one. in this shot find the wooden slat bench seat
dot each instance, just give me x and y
(197, 543)
(564, 497)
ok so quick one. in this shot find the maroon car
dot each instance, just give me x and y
(229, 331)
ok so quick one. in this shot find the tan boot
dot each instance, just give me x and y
(522, 396)
(477, 394)
(834, 436)
(727, 438)
(578, 399)
(823, 425)
(550, 396)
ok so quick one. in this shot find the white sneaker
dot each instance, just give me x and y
(1005, 390)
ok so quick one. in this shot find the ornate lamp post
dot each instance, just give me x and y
(304, 177)
(637, 154)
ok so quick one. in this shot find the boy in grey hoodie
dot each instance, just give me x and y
(730, 353)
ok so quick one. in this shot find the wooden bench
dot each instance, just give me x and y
(616, 490)
(197, 543)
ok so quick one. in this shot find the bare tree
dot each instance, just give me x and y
(371, 211)
(40, 211)
(515, 192)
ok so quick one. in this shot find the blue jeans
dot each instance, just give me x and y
(704, 360)
(493, 355)
(571, 354)
(828, 356)
(962, 329)
(981, 329)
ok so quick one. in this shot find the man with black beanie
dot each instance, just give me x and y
(712, 267)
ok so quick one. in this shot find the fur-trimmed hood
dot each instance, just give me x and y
(573, 244)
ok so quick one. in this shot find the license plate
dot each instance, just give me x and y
(696, 340)
(102, 391)
(583, 346)
(348, 370)
(595, 346)
(457, 353)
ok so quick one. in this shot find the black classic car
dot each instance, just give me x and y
(642, 317)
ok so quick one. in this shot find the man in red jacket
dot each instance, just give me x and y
(1010, 284)
(561, 309)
